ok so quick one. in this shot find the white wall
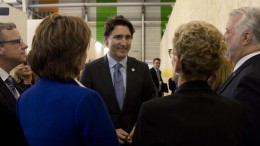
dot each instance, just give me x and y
(212, 11)
(17, 17)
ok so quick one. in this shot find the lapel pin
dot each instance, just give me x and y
(133, 69)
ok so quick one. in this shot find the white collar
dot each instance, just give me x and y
(3, 74)
(81, 85)
(244, 59)
(112, 62)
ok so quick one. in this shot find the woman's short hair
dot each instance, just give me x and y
(200, 49)
(58, 47)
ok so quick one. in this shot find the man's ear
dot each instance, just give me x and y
(1, 50)
(105, 41)
(246, 38)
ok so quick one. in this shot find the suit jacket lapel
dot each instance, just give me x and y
(129, 77)
(226, 83)
(107, 82)
(234, 74)
(7, 94)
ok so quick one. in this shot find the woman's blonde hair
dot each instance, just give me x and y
(219, 76)
(200, 49)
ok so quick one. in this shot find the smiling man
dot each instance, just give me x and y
(12, 53)
(123, 82)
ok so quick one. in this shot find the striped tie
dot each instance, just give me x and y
(10, 84)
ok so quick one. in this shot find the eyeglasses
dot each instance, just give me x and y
(16, 42)
(170, 51)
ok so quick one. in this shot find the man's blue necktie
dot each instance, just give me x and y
(119, 85)
(10, 84)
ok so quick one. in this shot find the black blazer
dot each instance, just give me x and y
(155, 78)
(139, 88)
(244, 86)
(164, 87)
(10, 131)
(193, 116)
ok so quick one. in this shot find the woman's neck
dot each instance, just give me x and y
(27, 80)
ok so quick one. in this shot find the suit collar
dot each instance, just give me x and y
(237, 71)
(249, 61)
(193, 85)
(244, 59)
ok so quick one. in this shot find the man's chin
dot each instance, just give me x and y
(23, 60)
(123, 54)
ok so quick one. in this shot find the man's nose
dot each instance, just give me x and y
(24, 46)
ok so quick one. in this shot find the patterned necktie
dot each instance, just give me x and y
(119, 85)
(10, 84)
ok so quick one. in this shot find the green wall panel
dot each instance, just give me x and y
(102, 13)
(165, 13)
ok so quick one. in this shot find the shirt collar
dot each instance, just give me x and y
(112, 62)
(244, 59)
(81, 85)
(3, 74)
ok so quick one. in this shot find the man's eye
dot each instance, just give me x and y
(118, 37)
(128, 37)
(17, 42)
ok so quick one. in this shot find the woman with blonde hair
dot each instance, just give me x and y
(193, 114)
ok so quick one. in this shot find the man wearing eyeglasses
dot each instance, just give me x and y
(12, 53)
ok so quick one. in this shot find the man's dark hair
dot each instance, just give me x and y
(156, 59)
(115, 21)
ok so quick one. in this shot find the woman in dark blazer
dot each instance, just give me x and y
(58, 110)
(194, 114)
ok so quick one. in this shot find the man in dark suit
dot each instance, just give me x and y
(157, 78)
(242, 38)
(12, 53)
(136, 81)
(194, 114)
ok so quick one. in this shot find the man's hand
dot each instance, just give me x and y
(122, 136)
